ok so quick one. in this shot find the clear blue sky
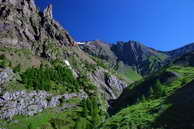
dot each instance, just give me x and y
(161, 24)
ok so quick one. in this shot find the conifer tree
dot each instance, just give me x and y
(158, 89)
(151, 92)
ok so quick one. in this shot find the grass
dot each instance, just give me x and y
(22, 57)
(146, 113)
(128, 73)
(43, 119)
(139, 116)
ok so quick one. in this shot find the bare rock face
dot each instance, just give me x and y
(48, 12)
(30, 103)
(23, 26)
(108, 85)
(100, 49)
(5, 75)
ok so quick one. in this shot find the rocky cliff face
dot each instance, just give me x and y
(101, 50)
(144, 59)
(109, 86)
(22, 25)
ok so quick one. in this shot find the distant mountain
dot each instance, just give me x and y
(181, 51)
(141, 58)
(127, 55)
(133, 55)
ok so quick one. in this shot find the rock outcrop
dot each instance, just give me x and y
(30, 103)
(108, 85)
(5, 75)
(185, 60)
(48, 12)
(23, 26)
(99, 49)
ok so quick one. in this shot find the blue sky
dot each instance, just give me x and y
(161, 24)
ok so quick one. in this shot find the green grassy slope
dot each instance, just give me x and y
(171, 110)
(128, 73)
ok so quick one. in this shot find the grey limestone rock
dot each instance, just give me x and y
(22, 25)
(5, 75)
(48, 12)
(30, 103)
(108, 85)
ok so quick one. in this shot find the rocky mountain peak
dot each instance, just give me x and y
(22, 25)
(48, 12)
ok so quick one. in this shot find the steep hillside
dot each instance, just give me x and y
(101, 50)
(46, 80)
(143, 59)
(161, 101)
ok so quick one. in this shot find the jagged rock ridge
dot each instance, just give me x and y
(142, 59)
(22, 25)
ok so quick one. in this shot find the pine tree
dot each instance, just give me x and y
(17, 68)
(85, 109)
(143, 99)
(151, 92)
(158, 89)
(81, 123)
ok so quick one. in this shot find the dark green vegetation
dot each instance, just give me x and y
(58, 78)
(163, 100)
(127, 72)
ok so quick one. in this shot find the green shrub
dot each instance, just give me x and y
(57, 123)
(158, 89)
(91, 110)
(4, 62)
(17, 68)
(86, 84)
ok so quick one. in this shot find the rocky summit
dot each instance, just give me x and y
(22, 25)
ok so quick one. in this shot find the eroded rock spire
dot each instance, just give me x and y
(48, 12)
